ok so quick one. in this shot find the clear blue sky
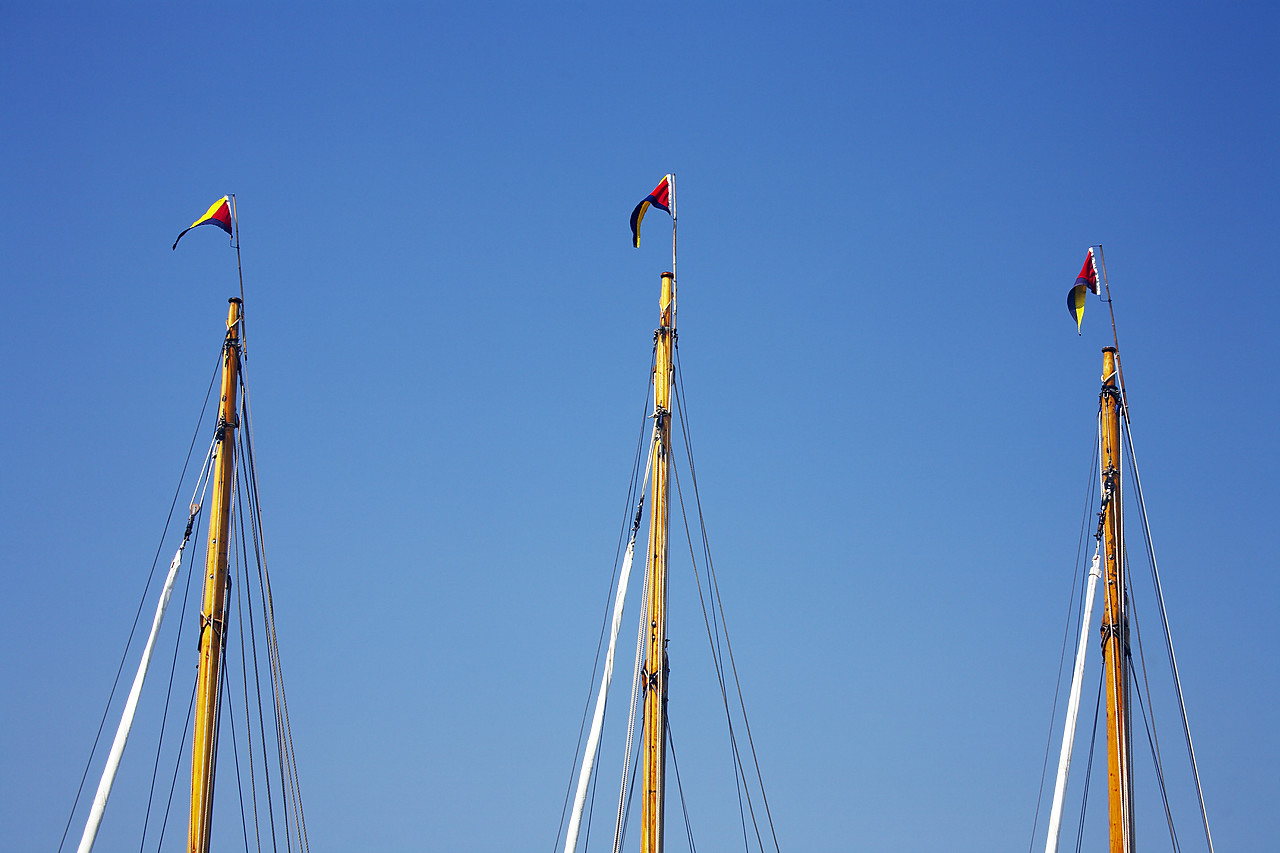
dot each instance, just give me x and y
(882, 209)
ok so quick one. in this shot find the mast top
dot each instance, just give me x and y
(1109, 349)
(236, 300)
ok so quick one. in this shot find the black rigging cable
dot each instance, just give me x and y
(684, 806)
(264, 596)
(1077, 579)
(164, 717)
(1168, 635)
(262, 728)
(1153, 739)
(173, 783)
(1148, 725)
(633, 487)
(241, 596)
(591, 807)
(718, 603)
(142, 601)
(284, 731)
(235, 754)
(1088, 767)
(243, 593)
(631, 785)
(739, 773)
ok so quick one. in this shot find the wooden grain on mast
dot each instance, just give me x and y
(1115, 620)
(213, 609)
(653, 781)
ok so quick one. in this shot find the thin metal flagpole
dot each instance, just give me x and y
(1102, 261)
(672, 181)
(235, 222)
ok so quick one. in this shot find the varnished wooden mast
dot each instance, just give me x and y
(655, 668)
(213, 610)
(1115, 620)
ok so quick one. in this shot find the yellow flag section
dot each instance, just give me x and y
(1086, 281)
(1075, 304)
(659, 198)
(219, 214)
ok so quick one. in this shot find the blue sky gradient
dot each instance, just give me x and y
(882, 209)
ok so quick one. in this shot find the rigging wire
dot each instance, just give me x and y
(639, 687)
(1088, 767)
(626, 785)
(262, 727)
(164, 717)
(684, 807)
(248, 727)
(740, 775)
(243, 556)
(620, 835)
(591, 809)
(244, 510)
(173, 783)
(273, 637)
(713, 590)
(1168, 636)
(1153, 741)
(235, 754)
(1079, 577)
(286, 778)
(604, 623)
(142, 601)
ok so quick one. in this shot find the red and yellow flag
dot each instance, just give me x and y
(660, 198)
(219, 214)
(1087, 281)
(1089, 274)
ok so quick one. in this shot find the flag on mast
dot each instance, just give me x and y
(1085, 282)
(219, 214)
(660, 198)
(1075, 304)
(1089, 273)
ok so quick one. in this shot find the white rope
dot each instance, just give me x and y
(112, 767)
(1073, 709)
(597, 720)
(631, 716)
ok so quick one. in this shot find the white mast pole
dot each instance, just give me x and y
(131, 705)
(597, 720)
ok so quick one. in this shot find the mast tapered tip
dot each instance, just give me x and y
(235, 300)
(1109, 349)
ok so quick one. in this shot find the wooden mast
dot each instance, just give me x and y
(213, 610)
(655, 667)
(1115, 620)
